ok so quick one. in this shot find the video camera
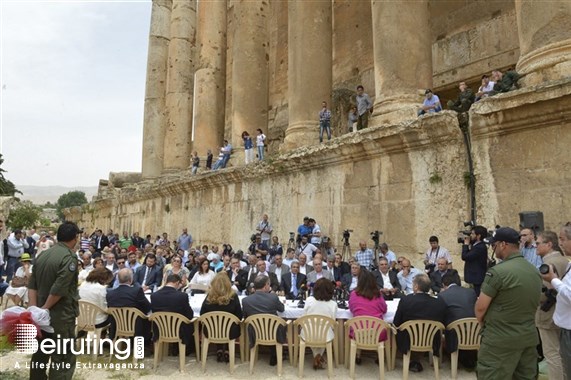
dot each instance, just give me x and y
(346, 236)
(291, 237)
(466, 232)
(375, 236)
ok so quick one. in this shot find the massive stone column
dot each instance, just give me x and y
(249, 70)
(544, 40)
(310, 69)
(180, 80)
(155, 116)
(210, 76)
(403, 58)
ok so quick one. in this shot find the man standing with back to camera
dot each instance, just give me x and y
(506, 309)
(53, 287)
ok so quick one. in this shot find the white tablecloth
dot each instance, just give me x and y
(292, 311)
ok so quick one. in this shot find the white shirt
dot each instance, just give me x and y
(308, 250)
(303, 269)
(562, 314)
(325, 308)
(96, 293)
(278, 272)
(289, 261)
(386, 280)
(203, 279)
(433, 255)
(315, 239)
(260, 139)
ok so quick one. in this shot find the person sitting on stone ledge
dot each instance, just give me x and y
(486, 87)
(220, 161)
(431, 103)
(352, 119)
(464, 101)
(504, 82)
(195, 161)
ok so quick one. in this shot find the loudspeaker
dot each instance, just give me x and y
(532, 220)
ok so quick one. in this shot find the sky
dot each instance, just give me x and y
(72, 89)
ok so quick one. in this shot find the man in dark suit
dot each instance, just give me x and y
(101, 241)
(418, 305)
(264, 302)
(238, 277)
(387, 280)
(278, 267)
(288, 280)
(126, 295)
(459, 304)
(261, 266)
(149, 275)
(171, 300)
(340, 267)
(475, 256)
(441, 271)
(349, 280)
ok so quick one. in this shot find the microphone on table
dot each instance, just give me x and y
(301, 296)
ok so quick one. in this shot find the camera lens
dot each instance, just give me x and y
(544, 269)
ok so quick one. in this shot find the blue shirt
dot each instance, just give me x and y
(530, 255)
(184, 241)
(431, 102)
(406, 282)
(304, 230)
(248, 144)
(365, 258)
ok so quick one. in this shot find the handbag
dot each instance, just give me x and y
(18, 282)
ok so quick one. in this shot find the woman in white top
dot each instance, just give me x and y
(18, 289)
(97, 263)
(94, 290)
(260, 142)
(204, 276)
(321, 303)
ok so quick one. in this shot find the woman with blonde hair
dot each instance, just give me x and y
(221, 297)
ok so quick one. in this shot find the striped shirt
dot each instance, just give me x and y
(324, 115)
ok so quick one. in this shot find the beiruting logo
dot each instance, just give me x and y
(26, 343)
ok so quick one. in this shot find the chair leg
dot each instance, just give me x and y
(279, 352)
(95, 344)
(197, 340)
(352, 356)
(253, 358)
(454, 364)
(436, 369)
(330, 359)
(301, 349)
(204, 353)
(232, 352)
(290, 345)
(156, 356)
(181, 355)
(347, 350)
(335, 352)
(405, 363)
(381, 355)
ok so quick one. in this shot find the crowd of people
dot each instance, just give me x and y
(507, 298)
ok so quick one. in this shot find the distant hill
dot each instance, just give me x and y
(43, 194)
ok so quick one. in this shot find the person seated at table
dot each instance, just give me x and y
(222, 297)
(94, 290)
(17, 291)
(203, 276)
(366, 300)
(149, 275)
(418, 305)
(261, 271)
(321, 303)
(340, 267)
(387, 280)
(264, 302)
(238, 276)
(169, 299)
(318, 271)
(406, 276)
(441, 271)
(292, 282)
(176, 267)
(350, 280)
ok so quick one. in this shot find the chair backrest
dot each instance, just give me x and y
(218, 325)
(422, 333)
(87, 313)
(468, 333)
(125, 319)
(315, 329)
(367, 330)
(169, 325)
(265, 327)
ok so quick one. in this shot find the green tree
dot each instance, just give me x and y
(7, 188)
(24, 214)
(70, 199)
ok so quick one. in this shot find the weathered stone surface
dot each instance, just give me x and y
(120, 179)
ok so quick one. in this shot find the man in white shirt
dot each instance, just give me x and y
(406, 276)
(303, 267)
(306, 247)
(435, 252)
(315, 233)
(278, 267)
(486, 87)
(388, 254)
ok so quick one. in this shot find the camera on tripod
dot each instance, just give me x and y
(346, 236)
(376, 236)
(466, 232)
(291, 237)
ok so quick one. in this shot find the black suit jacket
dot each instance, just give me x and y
(104, 243)
(241, 278)
(154, 277)
(346, 281)
(459, 304)
(392, 277)
(418, 306)
(171, 300)
(285, 285)
(129, 296)
(436, 279)
(274, 283)
(476, 263)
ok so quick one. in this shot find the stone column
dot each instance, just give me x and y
(544, 40)
(310, 69)
(403, 58)
(210, 76)
(249, 71)
(180, 80)
(155, 114)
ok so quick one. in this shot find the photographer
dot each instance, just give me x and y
(434, 253)
(258, 248)
(548, 250)
(475, 256)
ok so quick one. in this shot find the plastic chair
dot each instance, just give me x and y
(265, 330)
(86, 322)
(315, 328)
(125, 321)
(468, 333)
(218, 325)
(366, 333)
(421, 334)
(169, 332)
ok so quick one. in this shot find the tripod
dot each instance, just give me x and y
(346, 253)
